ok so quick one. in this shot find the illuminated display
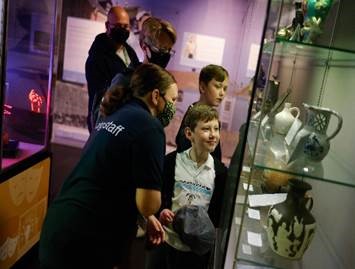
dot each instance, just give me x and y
(36, 101)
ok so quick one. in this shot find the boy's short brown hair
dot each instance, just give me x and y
(213, 71)
(198, 113)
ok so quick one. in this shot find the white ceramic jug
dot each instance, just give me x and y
(284, 119)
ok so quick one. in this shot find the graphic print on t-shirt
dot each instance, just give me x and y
(190, 193)
(194, 184)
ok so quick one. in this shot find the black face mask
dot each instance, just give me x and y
(119, 35)
(160, 58)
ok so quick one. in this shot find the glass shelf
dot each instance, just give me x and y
(331, 169)
(313, 52)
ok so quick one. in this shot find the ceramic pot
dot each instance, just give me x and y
(312, 141)
(291, 226)
(284, 119)
(274, 180)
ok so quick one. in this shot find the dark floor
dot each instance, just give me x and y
(63, 161)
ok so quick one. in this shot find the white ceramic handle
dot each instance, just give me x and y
(340, 124)
(297, 110)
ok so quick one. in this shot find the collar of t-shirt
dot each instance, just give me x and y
(209, 164)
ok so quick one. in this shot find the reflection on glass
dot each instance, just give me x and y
(28, 73)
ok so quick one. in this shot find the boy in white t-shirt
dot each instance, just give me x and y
(192, 177)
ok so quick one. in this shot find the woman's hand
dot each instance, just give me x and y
(155, 231)
(166, 216)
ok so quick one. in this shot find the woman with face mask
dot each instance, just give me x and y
(157, 39)
(92, 222)
(109, 54)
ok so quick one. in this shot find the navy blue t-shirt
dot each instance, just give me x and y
(97, 201)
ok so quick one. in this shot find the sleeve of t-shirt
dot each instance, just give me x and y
(148, 158)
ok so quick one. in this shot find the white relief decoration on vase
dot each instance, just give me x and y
(281, 242)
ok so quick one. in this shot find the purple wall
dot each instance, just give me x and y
(239, 22)
(222, 18)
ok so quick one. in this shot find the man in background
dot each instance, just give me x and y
(109, 54)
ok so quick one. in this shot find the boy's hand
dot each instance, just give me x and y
(166, 216)
(155, 231)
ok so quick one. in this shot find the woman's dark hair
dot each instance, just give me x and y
(145, 79)
(148, 77)
(114, 97)
(213, 71)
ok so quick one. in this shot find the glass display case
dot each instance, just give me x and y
(26, 59)
(26, 65)
(293, 203)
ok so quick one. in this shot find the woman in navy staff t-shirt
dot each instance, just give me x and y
(93, 220)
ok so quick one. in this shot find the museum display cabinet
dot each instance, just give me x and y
(26, 53)
(293, 203)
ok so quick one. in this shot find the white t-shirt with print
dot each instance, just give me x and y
(193, 186)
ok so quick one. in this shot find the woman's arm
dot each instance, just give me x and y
(148, 201)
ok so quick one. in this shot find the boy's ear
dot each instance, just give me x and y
(202, 87)
(188, 133)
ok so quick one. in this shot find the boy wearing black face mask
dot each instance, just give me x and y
(156, 39)
(109, 54)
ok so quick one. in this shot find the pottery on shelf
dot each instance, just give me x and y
(312, 141)
(284, 119)
(291, 226)
(274, 179)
